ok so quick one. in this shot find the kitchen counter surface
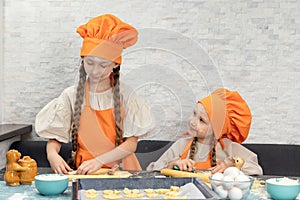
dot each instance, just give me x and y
(29, 192)
(11, 130)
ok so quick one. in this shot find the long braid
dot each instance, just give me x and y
(193, 148)
(213, 153)
(117, 106)
(77, 113)
(213, 157)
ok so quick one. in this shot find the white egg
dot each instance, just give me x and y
(217, 176)
(228, 182)
(221, 192)
(235, 194)
(242, 177)
(243, 181)
(232, 171)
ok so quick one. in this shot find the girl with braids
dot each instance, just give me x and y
(102, 117)
(219, 124)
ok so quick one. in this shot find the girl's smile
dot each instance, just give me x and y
(200, 125)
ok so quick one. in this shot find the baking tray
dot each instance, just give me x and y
(139, 183)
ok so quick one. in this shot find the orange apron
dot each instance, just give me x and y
(201, 165)
(97, 135)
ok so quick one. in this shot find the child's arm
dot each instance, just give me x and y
(220, 167)
(170, 156)
(57, 163)
(125, 149)
(233, 149)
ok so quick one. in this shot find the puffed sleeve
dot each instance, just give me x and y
(138, 118)
(233, 149)
(54, 120)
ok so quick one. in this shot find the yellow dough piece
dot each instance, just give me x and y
(91, 194)
(148, 190)
(134, 195)
(126, 191)
(151, 195)
(108, 192)
(172, 193)
(162, 191)
(174, 188)
(112, 196)
(135, 191)
(117, 192)
(99, 174)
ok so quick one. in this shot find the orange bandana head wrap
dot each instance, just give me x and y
(229, 114)
(106, 36)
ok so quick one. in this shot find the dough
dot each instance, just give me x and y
(148, 190)
(151, 195)
(162, 191)
(91, 194)
(108, 192)
(126, 191)
(176, 197)
(172, 193)
(112, 196)
(174, 188)
(134, 193)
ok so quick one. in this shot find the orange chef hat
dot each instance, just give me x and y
(106, 36)
(229, 114)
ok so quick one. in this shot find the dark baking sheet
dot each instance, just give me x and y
(138, 183)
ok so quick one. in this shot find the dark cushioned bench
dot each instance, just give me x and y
(37, 151)
(275, 159)
(150, 150)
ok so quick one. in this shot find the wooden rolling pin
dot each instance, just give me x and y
(177, 173)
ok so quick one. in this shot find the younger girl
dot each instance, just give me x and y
(102, 117)
(218, 126)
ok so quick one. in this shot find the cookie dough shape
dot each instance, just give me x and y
(91, 194)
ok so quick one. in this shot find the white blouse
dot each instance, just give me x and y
(54, 120)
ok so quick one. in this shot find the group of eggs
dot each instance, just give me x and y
(232, 184)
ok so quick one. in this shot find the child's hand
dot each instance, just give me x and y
(89, 166)
(184, 165)
(220, 167)
(58, 164)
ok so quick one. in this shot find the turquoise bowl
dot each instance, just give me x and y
(281, 191)
(51, 184)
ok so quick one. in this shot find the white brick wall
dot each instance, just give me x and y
(1, 60)
(186, 49)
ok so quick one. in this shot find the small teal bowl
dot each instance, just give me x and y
(280, 191)
(51, 184)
